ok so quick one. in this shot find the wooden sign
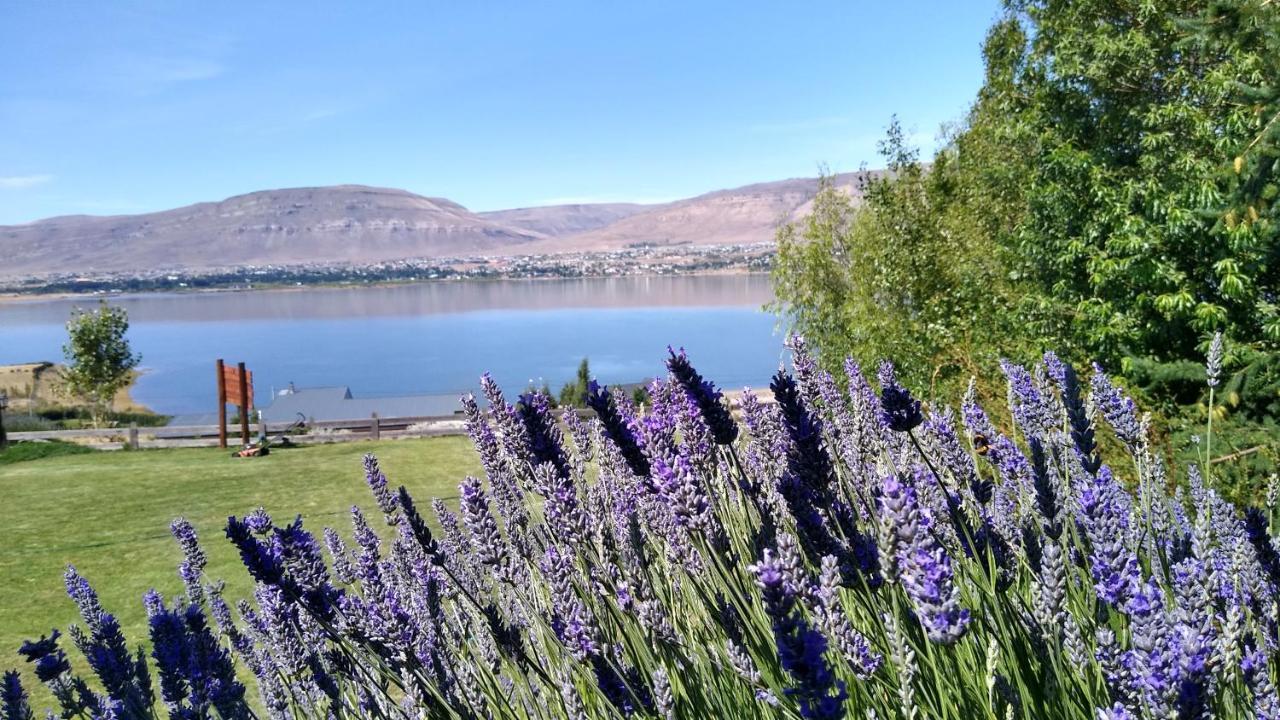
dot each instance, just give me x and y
(235, 386)
(231, 385)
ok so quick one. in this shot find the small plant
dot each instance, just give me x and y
(847, 551)
(574, 394)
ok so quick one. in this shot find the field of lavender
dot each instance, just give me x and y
(845, 552)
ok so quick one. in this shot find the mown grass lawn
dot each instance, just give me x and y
(109, 513)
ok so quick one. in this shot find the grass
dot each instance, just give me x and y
(108, 513)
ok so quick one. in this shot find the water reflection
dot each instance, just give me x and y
(415, 299)
(427, 338)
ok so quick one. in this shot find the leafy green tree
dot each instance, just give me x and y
(909, 274)
(1150, 216)
(99, 360)
(1111, 194)
(574, 394)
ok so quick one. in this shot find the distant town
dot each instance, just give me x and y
(639, 259)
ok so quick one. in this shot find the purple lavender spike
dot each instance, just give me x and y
(194, 559)
(1105, 517)
(487, 545)
(900, 411)
(705, 395)
(801, 649)
(1119, 409)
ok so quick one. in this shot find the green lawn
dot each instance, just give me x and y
(108, 513)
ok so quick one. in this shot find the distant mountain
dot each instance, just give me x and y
(747, 214)
(562, 220)
(345, 223)
(358, 224)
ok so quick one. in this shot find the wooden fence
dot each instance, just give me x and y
(316, 432)
(320, 431)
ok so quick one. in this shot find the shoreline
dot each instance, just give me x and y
(39, 375)
(14, 298)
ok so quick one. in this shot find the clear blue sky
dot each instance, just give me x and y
(125, 107)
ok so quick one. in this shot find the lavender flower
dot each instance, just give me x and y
(303, 561)
(1266, 705)
(899, 524)
(545, 444)
(1115, 712)
(801, 650)
(487, 544)
(629, 568)
(618, 428)
(807, 459)
(50, 661)
(1119, 409)
(663, 696)
(930, 584)
(853, 645)
(196, 673)
(571, 620)
(1029, 406)
(900, 411)
(412, 520)
(262, 560)
(573, 708)
(864, 408)
(1047, 488)
(911, 554)
(705, 395)
(259, 522)
(194, 559)
(1105, 519)
(123, 676)
(1115, 672)
(340, 556)
(1152, 658)
(956, 460)
(1213, 366)
(13, 699)
(377, 482)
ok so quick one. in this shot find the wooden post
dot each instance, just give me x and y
(133, 436)
(244, 405)
(222, 405)
(375, 428)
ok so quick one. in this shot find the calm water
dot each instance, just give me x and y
(425, 338)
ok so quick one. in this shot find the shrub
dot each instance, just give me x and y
(27, 423)
(839, 554)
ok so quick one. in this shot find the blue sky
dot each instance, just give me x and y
(109, 108)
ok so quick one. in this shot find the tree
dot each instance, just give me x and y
(910, 275)
(1112, 194)
(99, 360)
(1150, 200)
(574, 394)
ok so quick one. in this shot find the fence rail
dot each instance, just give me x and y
(316, 432)
(320, 431)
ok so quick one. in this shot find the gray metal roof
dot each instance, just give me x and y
(337, 403)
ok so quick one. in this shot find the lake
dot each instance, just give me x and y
(425, 338)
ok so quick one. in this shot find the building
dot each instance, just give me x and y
(337, 403)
